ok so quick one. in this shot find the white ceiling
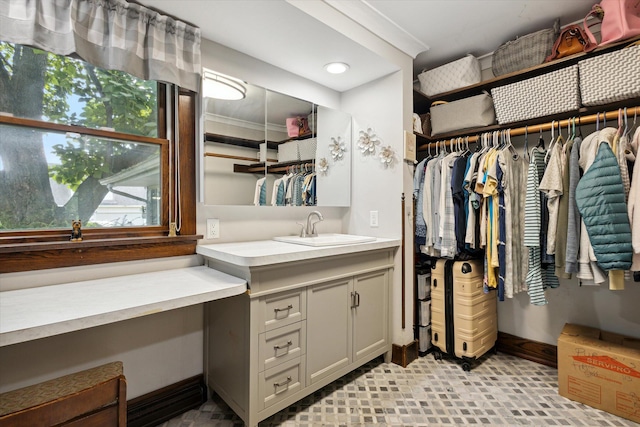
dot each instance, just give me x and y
(279, 33)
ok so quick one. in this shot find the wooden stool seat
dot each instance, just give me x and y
(94, 397)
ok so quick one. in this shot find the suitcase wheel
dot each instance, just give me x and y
(466, 268)
(466, 366)
(437, 355)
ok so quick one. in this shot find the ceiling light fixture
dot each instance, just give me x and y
(336, 67)
(222, 87)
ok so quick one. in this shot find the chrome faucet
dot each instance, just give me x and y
(309, 230)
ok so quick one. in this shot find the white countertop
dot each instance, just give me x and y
(33, 313)
(267, 252)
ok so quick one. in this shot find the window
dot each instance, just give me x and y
(80, 142)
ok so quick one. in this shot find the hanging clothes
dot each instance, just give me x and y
(260, 196)
(446, 231)
(634, 200)
(573, 216)
(600, 199)
(541, 274)
(418, 195)
(551, 186)
(588, 269)
(514, 187)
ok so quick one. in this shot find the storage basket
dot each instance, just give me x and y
(524, 52)
(424, 338)
(610, 77)
(424, 286)
(454, 75)
(307, 149)
(544, 95)
(288, 152)
(472, 112)
(425, 313)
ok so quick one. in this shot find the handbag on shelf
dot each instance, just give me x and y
(297, 126)
(524, 52)
(620, 20)
(571, 40)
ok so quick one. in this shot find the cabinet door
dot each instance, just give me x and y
(329, 345)
(371, 314)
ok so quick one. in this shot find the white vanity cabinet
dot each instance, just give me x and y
(305, 322)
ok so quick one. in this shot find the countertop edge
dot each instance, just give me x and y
(224, 289)
(221, 252)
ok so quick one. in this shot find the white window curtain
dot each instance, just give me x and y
(111, 34)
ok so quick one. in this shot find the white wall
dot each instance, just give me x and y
(378, 105)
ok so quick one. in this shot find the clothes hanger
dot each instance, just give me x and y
(514, 153)
(527, 156)
(541, 141)
(580, 127)
(552, 143)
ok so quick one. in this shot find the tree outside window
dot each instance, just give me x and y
(50, 175)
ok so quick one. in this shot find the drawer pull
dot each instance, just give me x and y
(279, 347)
(289, 307)
(283, 383)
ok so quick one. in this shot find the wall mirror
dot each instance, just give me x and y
(271, 149)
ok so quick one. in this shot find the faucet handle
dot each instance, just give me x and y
(303, 230)
(313, 229)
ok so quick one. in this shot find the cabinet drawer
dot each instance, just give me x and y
(279, 383)
(280, 345)
(283, 309)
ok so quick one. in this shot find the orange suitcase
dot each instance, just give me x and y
(463, 317)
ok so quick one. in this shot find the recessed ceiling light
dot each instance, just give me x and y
(222, 87)
(336, 67)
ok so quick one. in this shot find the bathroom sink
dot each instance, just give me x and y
(329, 239)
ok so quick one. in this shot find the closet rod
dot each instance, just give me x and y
(580, 120)
(229, 156)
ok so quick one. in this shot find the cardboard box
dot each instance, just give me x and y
(600, 369)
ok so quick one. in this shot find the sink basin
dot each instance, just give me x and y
(328, 239)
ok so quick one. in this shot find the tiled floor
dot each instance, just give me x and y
(502, 390)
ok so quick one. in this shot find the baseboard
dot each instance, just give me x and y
(404, 354)
(161, 405)
(545, 354)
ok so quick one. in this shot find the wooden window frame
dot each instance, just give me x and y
(44, 249)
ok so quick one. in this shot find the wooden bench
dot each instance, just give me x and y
(91, 398)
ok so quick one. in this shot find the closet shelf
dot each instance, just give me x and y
(420, 100)
(274, 168)
(522, 127)
(239, 142)
(230, 156)
(424, 139)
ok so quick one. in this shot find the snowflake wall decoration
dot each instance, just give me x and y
(387, 156)
(368, 141)
(337, 148)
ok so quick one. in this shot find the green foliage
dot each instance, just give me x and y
(77, 93)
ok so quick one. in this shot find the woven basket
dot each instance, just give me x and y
(288, 152)
(544, 95)
(307, 149)
(610, 77)
(454, 75)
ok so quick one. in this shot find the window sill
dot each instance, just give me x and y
(42, 255)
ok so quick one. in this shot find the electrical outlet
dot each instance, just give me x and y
(213, 228)
(373, 218)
